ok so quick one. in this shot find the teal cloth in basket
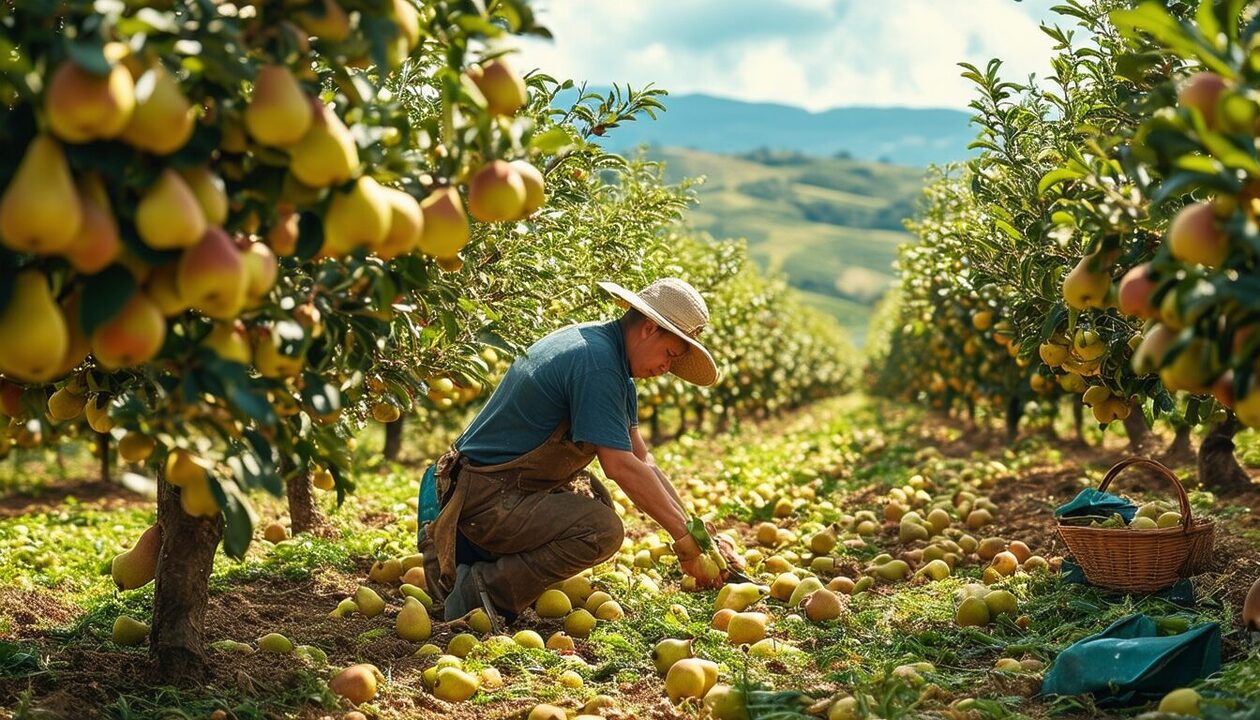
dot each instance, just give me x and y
(1129, 663)
(1182, 593)
(1092, 502)
(427, 505)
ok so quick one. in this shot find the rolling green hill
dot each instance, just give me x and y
(832, 225)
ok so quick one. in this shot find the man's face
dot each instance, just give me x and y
(653, 350)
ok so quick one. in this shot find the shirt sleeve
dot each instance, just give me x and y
(598, 411)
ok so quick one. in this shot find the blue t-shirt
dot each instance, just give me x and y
(579, 373)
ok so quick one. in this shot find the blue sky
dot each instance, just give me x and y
(815, 54)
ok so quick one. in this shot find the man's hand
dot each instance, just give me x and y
(695, 563)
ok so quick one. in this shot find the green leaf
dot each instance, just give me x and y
(239, 516)
(1054, 177)
(552, 141)
(105, 294)
(89, 54)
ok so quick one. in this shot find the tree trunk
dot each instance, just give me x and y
(654, 423)
(682, 421)
(182, 590)
(1218, 468)
(700, 416)
(393, 442)
(304, 513)
(102, 453)
(1140, 438)
(1078, 420)
(1014, 411)
(1179, 452)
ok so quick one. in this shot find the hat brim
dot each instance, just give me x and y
(697, 366)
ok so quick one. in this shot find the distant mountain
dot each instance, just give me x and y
(900, 136)
(832, 225)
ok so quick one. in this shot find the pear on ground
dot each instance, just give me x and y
(738, 596)
(279, 112)
(547, 712)
(1182, 701)
(39, 211)
(386, 571)
(413, 621)
(803, 589)
(579, 623)
(446, 229)
(454, 685)
(724, 702)
(822, 605)
(553, 604)
(369, 602)
(973, 612)
(164, 118)
(129, 631)
(746, 627)
(169, 215)
(560, 642)
(690, 678)
(669, 651)
(275, 643)
(344, 608)
(137, 566)
(132, 337)
(357, 683)
(34, 337)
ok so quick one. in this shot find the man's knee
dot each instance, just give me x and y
(608, 532)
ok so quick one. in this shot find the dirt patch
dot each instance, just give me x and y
(91, 494)
(33, 608)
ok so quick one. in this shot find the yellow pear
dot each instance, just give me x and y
(198, 500)
(283, 234)
(445, 224)
(97, 413)
(163, 289)
(724, 702)
(385, 571)
(326, 155)
(454, 685)
(747, 627)
(496, 193)
(279, 112)
(65, 404)
(136, 567)
(689, 678)
(357, 683)
(669, 651)
(503, 89)
(275, 643)
(535, 186)
(97, 242)
(261, 271)
(1083, 288)
(136, 447)
(210, 192)
(406, 225)
(212, 276)
(183, 469)
(579, 623)
(230, 341)
(39, 212)
(169, 215)
(34, 338)
(83, 106)
(329, 22)
(129, 631)
(370, 604)
(356, 218)
(553, 604)
(164, 118)
(132, 337)
(413, 621)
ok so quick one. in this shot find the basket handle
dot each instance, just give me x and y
(1160, 469)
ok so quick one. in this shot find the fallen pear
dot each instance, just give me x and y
(386, 571)
(746, 627)
(275, 643)
(344, 608)
(972, 611)
(129, 631)
(417, 592)
(357, 683)
(1182, 701)
(669, 651)
(560, 642)
(802, 589)
(461, 644)
(368, 601)
(738, 596)
(688, 678)
(454, 685)
(547, 712)
(724, 702)
(413, 621)
(822, 605)
(579, 623)
(553, 604)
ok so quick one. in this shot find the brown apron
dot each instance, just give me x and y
(530, 512)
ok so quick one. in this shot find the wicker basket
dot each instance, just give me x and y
(1141, 560)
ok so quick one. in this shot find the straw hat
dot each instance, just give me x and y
(676, 306)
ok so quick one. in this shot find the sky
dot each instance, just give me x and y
(815, 54)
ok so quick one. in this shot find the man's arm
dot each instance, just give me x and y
(641, 451)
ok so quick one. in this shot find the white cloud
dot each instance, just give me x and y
(812, 53)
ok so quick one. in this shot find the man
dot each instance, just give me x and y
(515, 517)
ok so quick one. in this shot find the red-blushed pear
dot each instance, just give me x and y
(406, 224)
(211, 276)
(210, 192)
(329, 22)
(83, 106)
(445, 224)
(169, 216)
(535, 186)
(356, 218)
(283, 234)
(39, 212)
(230, 341)
(1195, 237)
(163, 289)
(1201, 92)
(1084, 288)
(502, 87)
(326, 155)
(79, 344)
(279, 113)
(97, 243)
(1135, 292)
(1155, 344)
(261, 271)
(132, 337)
(164, 118)
(496, 193)
(33, 333)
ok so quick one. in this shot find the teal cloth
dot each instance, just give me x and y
(1181, 593)
(1092, 502)
(1129, 663)
(427, 505)
(579, 373)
